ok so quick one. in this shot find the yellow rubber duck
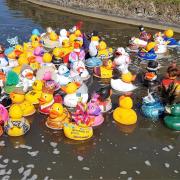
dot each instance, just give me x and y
(17, 96)
(34, 95)
(57, 117)
(17, 125)
(27, 108)
(71, 87)
(56, 52)
(103, 51)
(53, 36)
(125, 114)
(169, 33)
(72, 38)
(77, 132)
(128, 77)
(27, 46)
(47, 57)
(104, 71)
(35, 44)
(66, 48)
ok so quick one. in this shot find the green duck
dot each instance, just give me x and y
(173, 120)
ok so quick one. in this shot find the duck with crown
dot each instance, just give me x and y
(47, 99)
(16, 125)
(148, 53)
(168, 37)
(58, 115)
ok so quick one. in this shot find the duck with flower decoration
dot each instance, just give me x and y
(34, 95)
(3, 117)
(152, 107)
(168, 37)
(104, 71)
(88, 114)
(123, 83)
(172, 121)
(58, 115)
(103, 51)
(124, 114)
(16, 125)
(149, 52)
(47, 99)
(75, 92)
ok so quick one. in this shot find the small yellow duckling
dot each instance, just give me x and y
(34, 95)
(53, 36)
(17, 125)
(104, 71)
(125, 114)
(71, 87)
(56, 52)
(103, 51)
(57, 117)
(19, 49)
(27, 108)
(17, 96)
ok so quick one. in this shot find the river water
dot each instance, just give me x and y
(147, 150)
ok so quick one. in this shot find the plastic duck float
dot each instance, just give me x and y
(34, 95)
(47, 100)
(77, 132)
(79, 72)
(148, 53)
(161, 44)
(168, 36)
(63, 75)
(123, 83)
(88, 114)
(103, 97)
(104, 71)
(152, 107)
(121, 57)
(3, 117)
(125, 114)
(172, 121)
(58, 115)
(16, 125)
(103, 51)
(75, 92)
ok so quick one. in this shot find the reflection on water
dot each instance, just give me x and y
(115, 151)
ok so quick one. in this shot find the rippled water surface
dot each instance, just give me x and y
(147, 150)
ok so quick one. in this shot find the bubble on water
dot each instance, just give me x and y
(49, 169)
(21, 169)
(30, 165)
(2, 172)
(15, 161)
(123, 172)
(33, 153)
(2, 143)
(3, 165)
(70, 177)
(176, 171)
(137, 172)
(86, 168)
(130, 149)
(53, 144)
(167, 165)
(80, 158)
(134, 147)
(147, 162)
(166, 149)
(100, 177)
(25, 146)
(56, 151)
(42, 140)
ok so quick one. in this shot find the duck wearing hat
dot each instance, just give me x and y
(168, 37)
(3, 117)
(16, 125)
(58, 115)
(103, 51)
(47, 99)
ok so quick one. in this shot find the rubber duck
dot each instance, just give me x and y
(123, 83)
(93, 46)
(121, 57)
(79, 71)
(168, 36)
(161, 44)
(63, 35)
(64, 75)
(47, 100)
(75, 92)
(172, 121)
(104, 71)
(17, 96)
(38, 53)
(47, 60)
(53, 36)
(77, 132)
(124, 114)
(57, 117)
(26, 78)
(3, 117)
(152, 107)
(34, 38)
(16, 125)
(34, 95)
(143, 34)
(12, 58)
(103, 51)
(27, 108)
(149, 52)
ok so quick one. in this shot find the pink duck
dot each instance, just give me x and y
(3, 117)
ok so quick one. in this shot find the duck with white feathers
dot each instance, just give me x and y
(125, 83)
(121, 57)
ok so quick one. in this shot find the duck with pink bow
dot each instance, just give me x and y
(89, 114)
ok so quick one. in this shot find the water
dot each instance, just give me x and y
(146, 150)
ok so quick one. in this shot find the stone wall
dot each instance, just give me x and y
(163, 11)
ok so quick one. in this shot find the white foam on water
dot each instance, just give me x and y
(3, 165)
(86, 168)
(33, 153)
(34, 177)
(25, 146)
(137, 172)
(176, 171)
(166, 149)
(70, 176)
(123, 172)
(53, 144)
(56, 151)
(15, 161)
(167, 165)
(9, 172)
(80, 158)
(5, 177)
(2, 143)
(147, 163)
(6, 161)
(21, 169)
(30, 165)
(2, 172)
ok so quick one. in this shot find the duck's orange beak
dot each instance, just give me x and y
(29, 75)
(17, 52)
(42, 101)
(11, 95)
(53, 114)
(32, 59)
(63, 88)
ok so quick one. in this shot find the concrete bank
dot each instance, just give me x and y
(131, 21)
